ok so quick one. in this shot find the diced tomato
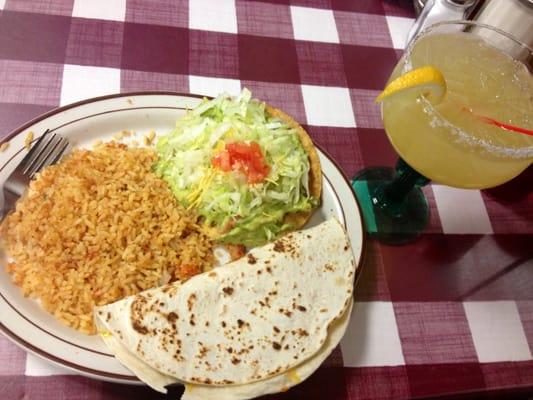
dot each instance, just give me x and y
(243, 157)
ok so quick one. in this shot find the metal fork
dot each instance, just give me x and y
(46, 151)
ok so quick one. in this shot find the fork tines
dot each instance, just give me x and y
(46, 151)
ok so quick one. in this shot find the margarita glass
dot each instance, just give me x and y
(478, 135)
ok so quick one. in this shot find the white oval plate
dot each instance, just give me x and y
(22, 319)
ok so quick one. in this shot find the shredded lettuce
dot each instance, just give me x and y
(249, 214)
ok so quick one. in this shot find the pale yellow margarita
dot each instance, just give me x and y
(448, 142)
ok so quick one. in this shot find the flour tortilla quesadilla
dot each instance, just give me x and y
(251, 327)
(275, 384)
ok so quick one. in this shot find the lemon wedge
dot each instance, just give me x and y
(426, 81)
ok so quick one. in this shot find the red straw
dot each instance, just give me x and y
(499, 124)
(507, 127)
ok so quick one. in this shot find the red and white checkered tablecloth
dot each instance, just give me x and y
(448, 314)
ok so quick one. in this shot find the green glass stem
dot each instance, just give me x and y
(394, 207)
(391, 197)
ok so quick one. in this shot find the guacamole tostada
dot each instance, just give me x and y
(248, 169)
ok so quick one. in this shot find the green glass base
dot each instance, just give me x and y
(389, 222)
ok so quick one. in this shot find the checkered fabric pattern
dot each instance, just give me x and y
(450, 313)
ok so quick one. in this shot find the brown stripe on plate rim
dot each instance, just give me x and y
(58, 110)
(24, 344)
(87, 117)
(356, 201)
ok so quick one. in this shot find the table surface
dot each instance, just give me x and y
(447, 314)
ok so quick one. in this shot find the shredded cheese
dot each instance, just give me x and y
(196, 196)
